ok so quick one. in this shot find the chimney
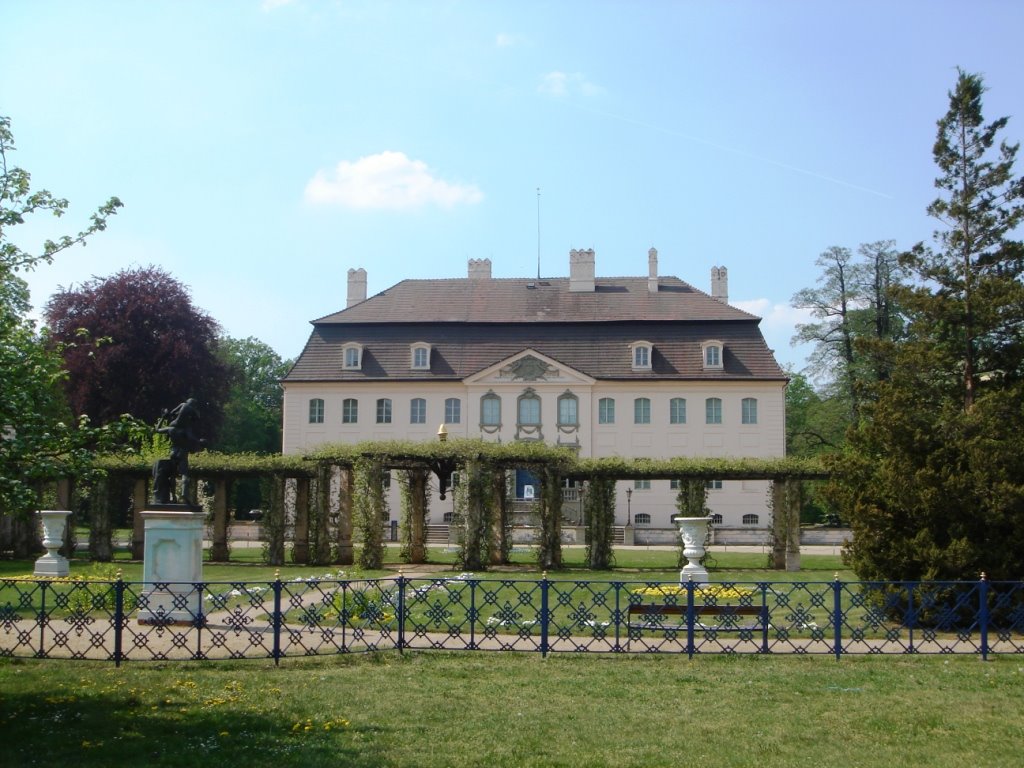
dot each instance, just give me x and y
(581, 271)
(479, 269)
(356, 286)
(720, 284)
(652, 270)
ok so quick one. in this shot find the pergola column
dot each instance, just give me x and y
(139, 503)
(219, 536)
(344, 554)
(300, 541)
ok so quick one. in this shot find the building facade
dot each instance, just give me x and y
(632, 367)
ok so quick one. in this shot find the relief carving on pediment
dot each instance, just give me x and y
(528, 368)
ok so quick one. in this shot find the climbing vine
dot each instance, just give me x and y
(415, 488)
(369, 510)
(599, 517)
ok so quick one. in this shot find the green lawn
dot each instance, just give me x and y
(493, 709)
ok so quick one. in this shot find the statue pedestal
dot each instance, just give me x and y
(52, 563)
(694, 531)
(172, 565)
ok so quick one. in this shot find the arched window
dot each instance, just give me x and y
(750, 519)
(353, 356)
(711, 352)
(452, 411)
(642, 410)
(749, 410)
(606, 410)
(490, 410)
(349, 411)
(713, 410)
(316, 410)
(384, 411)
(420, 357)
(529, 408)
(417, 411)
(568, 410)
(716, 519)
(642, 518)
(677, 410)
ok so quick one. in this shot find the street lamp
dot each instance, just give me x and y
(629, 504)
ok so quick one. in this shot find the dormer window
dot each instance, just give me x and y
(420, 357)
(712, 353)
(353, 356)
(641, 353)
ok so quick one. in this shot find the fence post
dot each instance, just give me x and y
(400, 612)
(837, 616)
(983, 615)
(276, 618)
(118, 617)
(472, 614)
(41, 654)
(544, 615)
(618, 618)
(691, 616)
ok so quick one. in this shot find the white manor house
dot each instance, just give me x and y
(622, 366)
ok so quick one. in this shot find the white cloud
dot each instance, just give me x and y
(561, 84)
(387, 181)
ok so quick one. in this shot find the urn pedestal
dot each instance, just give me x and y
(694, 532)
(172, 565)
(52, 563)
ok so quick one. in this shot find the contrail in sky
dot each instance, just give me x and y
(732, 150)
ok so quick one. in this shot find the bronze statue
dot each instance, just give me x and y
(181, 424)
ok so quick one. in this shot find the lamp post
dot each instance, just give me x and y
(629, 505)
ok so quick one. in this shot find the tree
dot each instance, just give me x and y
(156, 348)
(252, 414)
(970, 302)
(855, 315)
(39, 440)
(933, 481)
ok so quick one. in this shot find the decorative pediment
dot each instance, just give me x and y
(529, 366)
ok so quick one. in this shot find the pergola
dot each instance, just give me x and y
(337, 496)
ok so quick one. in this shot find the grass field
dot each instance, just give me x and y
(444, 709)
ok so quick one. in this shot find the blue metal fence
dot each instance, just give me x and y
(129, 621)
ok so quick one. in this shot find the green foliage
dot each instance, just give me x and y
(252, 413)
(39, 438)
(369, 510)
(933, 482)
(599, 516)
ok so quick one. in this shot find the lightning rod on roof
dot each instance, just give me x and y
(538, 233)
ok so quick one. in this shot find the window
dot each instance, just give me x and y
(384, 411)
(674, 485)
(642, 518)
(568, 410)
(677, 410)
(749, 410)
(421, 357)
(750, 519)
(606, 410)
(716, 519)
(713, 410)
(452, 411)
(490, 410)
(642, 485)
(349, 411)
(713, 485)
(640, 352)
(447, 517)
(642, 411)
(353, 357)
(316, 411)
(418, 411)
(712, 353)
(529, 409)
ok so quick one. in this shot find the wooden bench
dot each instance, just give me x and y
(650, 617)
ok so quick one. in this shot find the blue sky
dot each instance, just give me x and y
(264, 147)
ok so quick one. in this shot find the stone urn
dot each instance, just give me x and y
(52, 563)
(694, 531)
